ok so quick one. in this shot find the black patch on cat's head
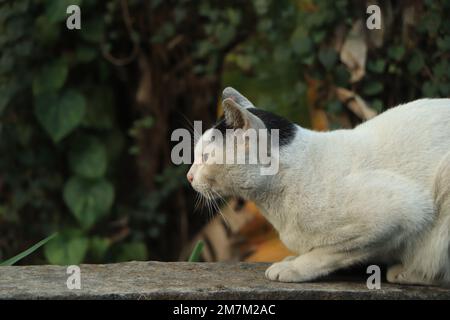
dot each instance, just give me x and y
(286, 128)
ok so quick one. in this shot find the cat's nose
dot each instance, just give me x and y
(190, 177)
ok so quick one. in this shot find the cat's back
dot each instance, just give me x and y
(419, 114)
(410, 138)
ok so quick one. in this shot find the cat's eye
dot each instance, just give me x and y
(205, 157)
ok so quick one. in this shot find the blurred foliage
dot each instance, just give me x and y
(278, 65)
(73, 132)
(70, 132)
(60, 134)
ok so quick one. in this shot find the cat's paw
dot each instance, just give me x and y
(398, 274)
(394, 274)
(284, 271)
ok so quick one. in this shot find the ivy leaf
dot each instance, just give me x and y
(444, 43)
(45, 32)
(88, 158)
(432, 22)
(328, 58)
(135, 251)
(429, 89)
(100, 108)
(377, 105)
(67, 248)
(51, 77)
(88, 200)
(98, 247)
(302, 45)
(416, 63)
(377, 66)
(59, 114)
(373, 88)
(341, 76)
(396, 52)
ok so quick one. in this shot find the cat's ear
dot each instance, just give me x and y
(239, 117)
(233, 94)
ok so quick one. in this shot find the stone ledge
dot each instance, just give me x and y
(183, 280)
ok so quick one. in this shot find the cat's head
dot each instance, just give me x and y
(234, 156)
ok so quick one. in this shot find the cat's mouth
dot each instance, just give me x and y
(207, 193)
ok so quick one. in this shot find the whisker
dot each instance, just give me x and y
(210, 200)
(219, 197)
(197, 202)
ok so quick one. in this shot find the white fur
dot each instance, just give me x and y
(379, 191)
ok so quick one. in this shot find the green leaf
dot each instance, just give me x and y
(377, 66)
(132, 251)
(373, 88)
(429, 90)
(396, 52)
(45, 32)
(68, 248)
(87, 157)
(440, 69)
(88, 200)
(51, 77)
(444, 43)
(302, 45)
(393, 69)
(27, 252)
(319, 35)
(59, 114)
(416, 63)
(432, 22)
(328, 58)
(100, 108)
(138, 125)
(98, 247)
(377, 104)
(56, 10)
(341, 76)
(195, 255)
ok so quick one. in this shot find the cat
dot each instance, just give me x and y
(380, 191)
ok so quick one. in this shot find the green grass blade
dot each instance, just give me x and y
(195, 255)
(27, 252)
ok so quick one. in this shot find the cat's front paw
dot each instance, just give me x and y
(284, 271)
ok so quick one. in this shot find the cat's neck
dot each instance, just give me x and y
(272, 193)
